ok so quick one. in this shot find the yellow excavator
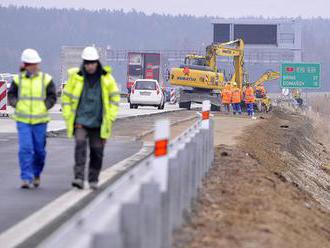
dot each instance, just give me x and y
(199, 77)
(263, 102)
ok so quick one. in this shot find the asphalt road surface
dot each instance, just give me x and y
(57, 123)
(17, 204)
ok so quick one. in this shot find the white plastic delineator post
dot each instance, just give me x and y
(206, 114)
(160, 163)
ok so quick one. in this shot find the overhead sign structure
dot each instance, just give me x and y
(300, 75)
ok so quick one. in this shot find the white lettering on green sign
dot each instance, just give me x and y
(300, 75)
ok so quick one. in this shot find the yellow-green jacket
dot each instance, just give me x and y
(71, 96)
(30, 98)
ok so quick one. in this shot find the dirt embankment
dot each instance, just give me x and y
(269, 190)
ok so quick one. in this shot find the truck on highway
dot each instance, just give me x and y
(142, 65)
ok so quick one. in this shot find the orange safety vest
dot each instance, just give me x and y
(226, 96)
(236, 95)
(249, 95)
(260, 91)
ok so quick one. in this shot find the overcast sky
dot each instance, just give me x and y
(221, 8)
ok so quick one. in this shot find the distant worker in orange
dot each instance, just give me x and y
(260, 91)
(249, 99)
(236, 98)
(226, 97)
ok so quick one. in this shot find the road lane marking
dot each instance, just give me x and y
(30, 226)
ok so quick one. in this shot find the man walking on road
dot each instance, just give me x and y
(249, 100)
(90, 105)
(236, 98)
(32, 93)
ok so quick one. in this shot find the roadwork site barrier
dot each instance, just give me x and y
(143, 207)
(173, 97)
(3, 99)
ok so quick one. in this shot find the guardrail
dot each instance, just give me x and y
(145, 206)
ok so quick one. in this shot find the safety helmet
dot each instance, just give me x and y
(234, 84)
(90, 54)
(30, 56)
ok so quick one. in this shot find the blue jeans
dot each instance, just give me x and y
(31, 153)
(249, 108)
(227, 107)
(237, 108)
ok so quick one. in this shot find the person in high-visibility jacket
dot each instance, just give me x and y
(249, 99)
(32, 93)
(90, 104)
(226, 97)
(236, 98)
(260, 91)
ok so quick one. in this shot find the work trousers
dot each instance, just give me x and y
(96, 145)
(31, 152)
(249, 109)
(227, 107)
(237, 108)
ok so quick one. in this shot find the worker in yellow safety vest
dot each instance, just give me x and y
(90, 103)
(226, 97)
(32, 93)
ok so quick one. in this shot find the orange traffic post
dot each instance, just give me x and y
(160, 162)
(206, 114)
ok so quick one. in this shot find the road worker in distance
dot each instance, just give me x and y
(32, 93)
(260, 91)
(236, 98)
(226, 97)
(249, 99)
(90, 104)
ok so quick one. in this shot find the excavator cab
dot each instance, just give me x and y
(195, 60)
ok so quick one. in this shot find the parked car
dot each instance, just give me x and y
(147, 92)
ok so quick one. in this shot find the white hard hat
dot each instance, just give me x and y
(30, 56)
(90, 54)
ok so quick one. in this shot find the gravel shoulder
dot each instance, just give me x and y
(267, 188)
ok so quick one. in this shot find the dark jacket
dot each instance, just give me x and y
(50, 101)
(89, 112)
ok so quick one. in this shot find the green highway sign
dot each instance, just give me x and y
(300, 75)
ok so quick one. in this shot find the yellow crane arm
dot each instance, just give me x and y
(233, 49)
(267, 76)
(214, 50)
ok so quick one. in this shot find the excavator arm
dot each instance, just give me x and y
(201, 71)
(233, 49)
(267, 76)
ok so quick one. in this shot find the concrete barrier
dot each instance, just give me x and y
(144, 207)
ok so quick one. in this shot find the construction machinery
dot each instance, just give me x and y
(296, 95)
(199, 77)
(263, 102)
